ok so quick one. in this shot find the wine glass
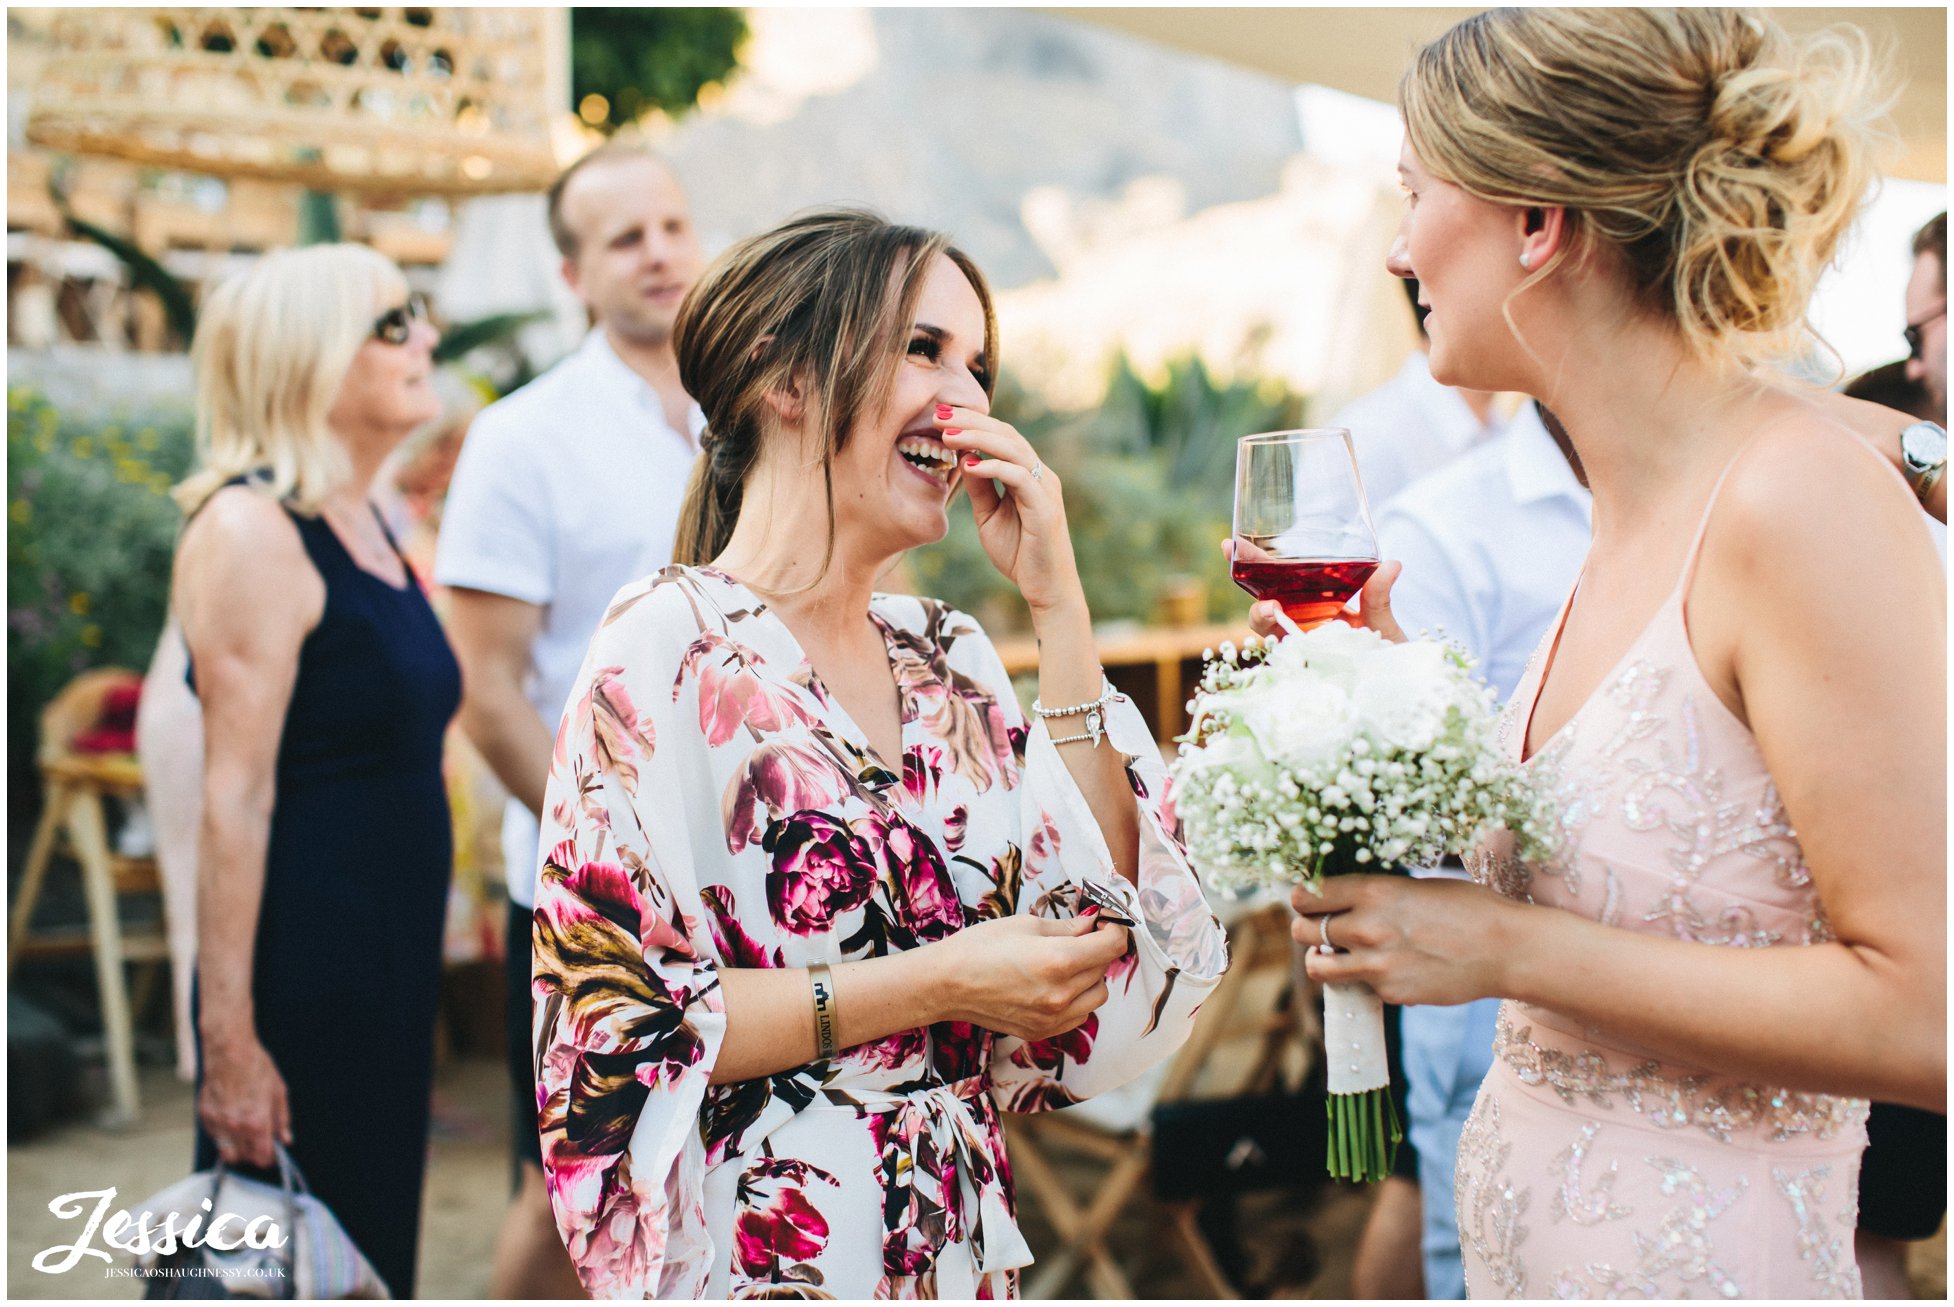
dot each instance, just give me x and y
(1303, 534)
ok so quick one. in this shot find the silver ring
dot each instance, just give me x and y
(1037, 471)
(1323, 933)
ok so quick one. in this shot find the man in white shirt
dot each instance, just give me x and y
(1413, 425)
(564, 492)
(1408, 428)
(1491, 545)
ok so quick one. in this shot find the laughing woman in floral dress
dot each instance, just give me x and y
(816, 902)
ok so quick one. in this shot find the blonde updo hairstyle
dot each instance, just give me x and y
(822, 303)
(272, 347)
(1718, 159)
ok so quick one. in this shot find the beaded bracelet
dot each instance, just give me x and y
(1094, 713)
(1106, 695)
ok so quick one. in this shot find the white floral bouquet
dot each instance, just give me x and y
(1335, 751)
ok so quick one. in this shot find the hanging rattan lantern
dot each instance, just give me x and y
(413, 101)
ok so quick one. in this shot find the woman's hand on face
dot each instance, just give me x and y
(1434, 940)
(1373, 610)
(1023, 531)
(243, 1104)
(1030, 976)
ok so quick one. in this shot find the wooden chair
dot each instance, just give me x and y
(74, 823)
(1247, 1004)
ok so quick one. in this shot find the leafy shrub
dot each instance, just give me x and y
(643, 58)
(90, 532)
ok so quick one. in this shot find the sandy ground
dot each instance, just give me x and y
(468, 1185)
(468, 1182)
(1297, 1248)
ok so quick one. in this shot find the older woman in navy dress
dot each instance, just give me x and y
(327, 686)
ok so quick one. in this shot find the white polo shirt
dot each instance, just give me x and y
(565, 491)
(1409, 428)
(1491, 545)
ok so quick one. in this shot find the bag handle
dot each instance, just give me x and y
(288, 1171)
(292, 1182)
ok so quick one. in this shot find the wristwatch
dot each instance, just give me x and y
(1923, 454)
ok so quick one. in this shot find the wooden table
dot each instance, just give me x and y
(1157, 668)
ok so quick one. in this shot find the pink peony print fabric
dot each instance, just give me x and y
(711, 806)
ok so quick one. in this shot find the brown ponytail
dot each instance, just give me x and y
(712, 501)
(807, 305)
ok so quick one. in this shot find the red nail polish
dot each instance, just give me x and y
(953, 431)
(943, 410)
(972, 461)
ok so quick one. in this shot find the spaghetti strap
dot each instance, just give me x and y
(1703, 526)
(387, 531)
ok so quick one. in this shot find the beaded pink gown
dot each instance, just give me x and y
(1589, 1168)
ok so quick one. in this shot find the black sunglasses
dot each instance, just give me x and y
(1912, 333)
(395, 325)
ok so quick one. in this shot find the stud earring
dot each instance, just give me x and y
(1526, 260)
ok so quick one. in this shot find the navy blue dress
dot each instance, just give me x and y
(348, 965)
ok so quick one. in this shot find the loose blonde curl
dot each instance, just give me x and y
(272, 347)
(1718, 158)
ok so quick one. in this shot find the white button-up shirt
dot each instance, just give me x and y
(565, 491)
(1491, 545)
(1408, 428)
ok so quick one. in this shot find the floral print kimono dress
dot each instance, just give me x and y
(709, 805)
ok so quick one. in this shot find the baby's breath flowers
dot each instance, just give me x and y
(1335, 751)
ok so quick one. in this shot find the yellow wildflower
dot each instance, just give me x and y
(21, 511)
(91, 636)
(78, 602)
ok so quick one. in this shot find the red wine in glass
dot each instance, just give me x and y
(1311, 591)
(1303, 534)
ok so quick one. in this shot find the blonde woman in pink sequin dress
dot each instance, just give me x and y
(1741, 713)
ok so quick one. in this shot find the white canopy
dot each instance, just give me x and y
(1364, 51)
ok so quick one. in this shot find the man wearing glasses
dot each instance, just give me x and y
(1903, 1179)
(1923, 446)
(1926, 306)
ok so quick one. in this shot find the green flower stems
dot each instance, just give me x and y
(1364, 1135)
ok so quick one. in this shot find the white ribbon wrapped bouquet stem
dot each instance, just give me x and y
(1330, 752)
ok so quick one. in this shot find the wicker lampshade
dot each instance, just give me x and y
(399, 100)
